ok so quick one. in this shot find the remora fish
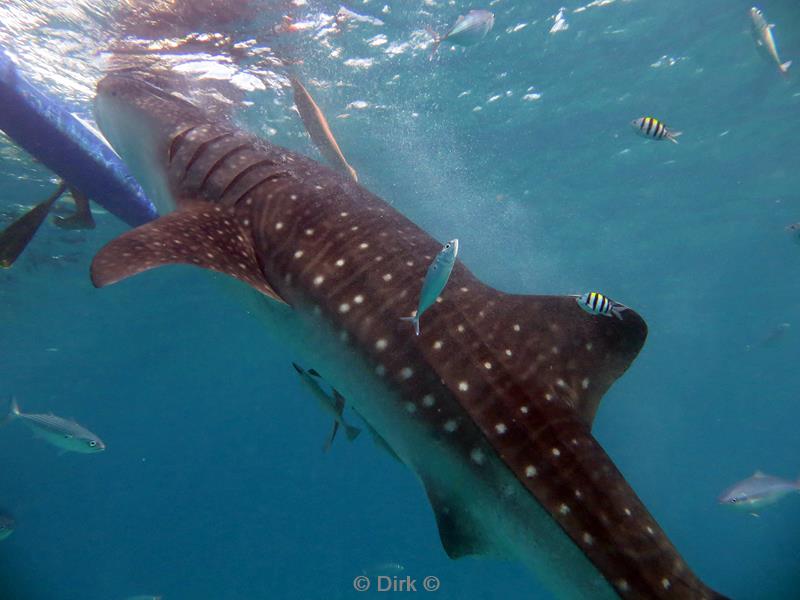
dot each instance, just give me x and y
(318, 129)
(332, 404)
(435, 280)
(492, 409)
(64, 434)
(16, 237)
(468, 30)
(764, 37)
(758, 491)
(7, 525)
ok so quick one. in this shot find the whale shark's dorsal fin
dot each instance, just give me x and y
(203, 235)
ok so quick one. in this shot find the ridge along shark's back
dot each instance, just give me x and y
(491, 406)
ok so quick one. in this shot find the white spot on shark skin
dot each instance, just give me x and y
(650, 530)
(381, 344)
(343, 214)
(437, 345)
(411, 407)
(463, 386)
(563, 509)
(487, 365)
(464, 289)
(554, 349)
(548, 396)
(406, 372)
(665, 583)
(340, 262)
(623, 585)
(428, 400)
(363, 245)
(508, 352)
(293, 196)
(578, 494)
(318, 280)
(299, 254)
(439, 300)
(587, 539)
(516, 327)
(561, 383)
(523, 410)
(589, 346)
(309, 231)
(410, 263)
(450, 426)
(556, 452)
(627, 512)
(460, 329)
(501, 428)
(585, 383)
(530, 471)
(278, 225)
(380, 370)
(354, 228)
(477, 456)
(344, 307)
(358, 299)
(387, 277)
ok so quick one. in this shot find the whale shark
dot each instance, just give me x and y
(491, 406)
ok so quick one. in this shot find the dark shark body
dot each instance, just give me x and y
(491, 406)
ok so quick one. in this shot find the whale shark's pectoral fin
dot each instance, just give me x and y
(204, 235)
(458, 530)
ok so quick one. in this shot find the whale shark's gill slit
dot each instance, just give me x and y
(267, 179)
(239, 176)
(220, 161)
(176, 141)
(202, 148)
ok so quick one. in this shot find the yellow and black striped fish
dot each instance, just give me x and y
(652, 128)
(596, 303)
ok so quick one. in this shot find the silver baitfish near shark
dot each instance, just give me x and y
(758, 491)
(492, 409)
(332, 403)
(596, 303)
(64, 434)
(7, 524)
(653, 129)
(468, 30)
(764, 37)
(435, 280)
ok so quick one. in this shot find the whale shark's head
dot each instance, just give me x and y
(140, 119)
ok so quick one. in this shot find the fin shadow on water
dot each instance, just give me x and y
(16, 237)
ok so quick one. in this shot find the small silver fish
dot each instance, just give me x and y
(64, 434)
(596, 303)
(7, 525)
(758, 491)
(435, 280)
(468, 30)
(652, 128)
(764, 37)
(332, 403)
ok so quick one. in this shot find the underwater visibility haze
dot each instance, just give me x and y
(569, 202)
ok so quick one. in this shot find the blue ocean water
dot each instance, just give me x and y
(214, 483)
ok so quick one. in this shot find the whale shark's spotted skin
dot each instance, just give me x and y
(505, 382)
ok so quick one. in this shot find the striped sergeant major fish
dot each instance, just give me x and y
(435, 280)
(64, 434)
(652, 128)
(764, 37)
(332, 403)
(492, 409)
(596, 303)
